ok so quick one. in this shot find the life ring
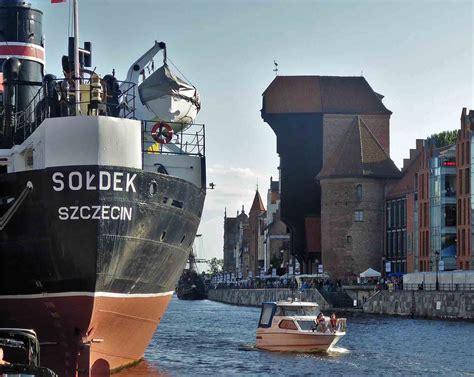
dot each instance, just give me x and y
(162, 133)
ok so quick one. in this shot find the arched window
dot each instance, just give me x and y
(359, 191)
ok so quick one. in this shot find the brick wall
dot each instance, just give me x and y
(463, 194)
(349, 247)
(424, 212)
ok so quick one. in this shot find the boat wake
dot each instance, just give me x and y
(338, 350)
(248, 347)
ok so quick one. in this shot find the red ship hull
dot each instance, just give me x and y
(87, 334)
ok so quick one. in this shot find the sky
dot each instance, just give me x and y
(418, 54)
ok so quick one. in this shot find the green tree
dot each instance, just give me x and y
(216, 265)
(443, 139)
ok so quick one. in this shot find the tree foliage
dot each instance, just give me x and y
(216, 265)
(443, 139)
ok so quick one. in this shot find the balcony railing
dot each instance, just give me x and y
(189, 140)
(442, 287)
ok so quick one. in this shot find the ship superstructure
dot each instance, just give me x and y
(98, 209)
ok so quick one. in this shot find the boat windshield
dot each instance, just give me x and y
(307, 325)
(266, 316)
(297, 311)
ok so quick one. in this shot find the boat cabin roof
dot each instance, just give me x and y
(286, 309)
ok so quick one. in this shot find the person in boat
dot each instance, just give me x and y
(321, 322)
(333, 322)
(2, 361)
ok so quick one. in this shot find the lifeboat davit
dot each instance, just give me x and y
(163, 96)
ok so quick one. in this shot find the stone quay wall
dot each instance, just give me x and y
(255, 297)
(425, 304)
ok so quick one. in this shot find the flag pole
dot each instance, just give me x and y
(77, 77)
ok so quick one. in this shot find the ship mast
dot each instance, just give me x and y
(77, 77)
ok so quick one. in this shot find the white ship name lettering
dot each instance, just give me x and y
(95, 213)
(105, 181)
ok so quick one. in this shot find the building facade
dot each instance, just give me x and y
(401, 222)
(341, 198)
(353, 181)
(236, 245)
(464, 153)
(231, 235)
(256, 229)
(443, 208)
(310, 116)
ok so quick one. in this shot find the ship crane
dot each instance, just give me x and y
(163, 98)
(139, 65)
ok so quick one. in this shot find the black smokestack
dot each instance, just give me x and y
(21, 37)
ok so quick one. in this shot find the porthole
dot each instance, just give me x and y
(153, 188)
(177, 204)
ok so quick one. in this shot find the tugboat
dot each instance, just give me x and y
(295, 326)
(191, 285)
(102, 186)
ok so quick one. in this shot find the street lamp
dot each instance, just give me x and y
(437, 268)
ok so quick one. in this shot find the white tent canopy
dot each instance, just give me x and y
(370, 273)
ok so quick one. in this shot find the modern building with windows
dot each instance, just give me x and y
(437, 208)
(443, 208)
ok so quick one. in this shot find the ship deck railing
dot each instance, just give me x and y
(189, 140)
(56, 98)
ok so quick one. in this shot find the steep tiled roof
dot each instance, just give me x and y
(359, 155)
(322, 94)
(257, 204)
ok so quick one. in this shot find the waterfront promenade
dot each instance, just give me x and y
(413, 303)
(255, 296)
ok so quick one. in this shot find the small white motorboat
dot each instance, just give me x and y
(295, 326)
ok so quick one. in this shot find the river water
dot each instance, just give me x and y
(197, 338)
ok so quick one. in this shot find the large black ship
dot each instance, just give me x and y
(98, 210)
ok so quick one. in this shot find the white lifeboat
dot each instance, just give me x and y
(162, 96)
(166, 97)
